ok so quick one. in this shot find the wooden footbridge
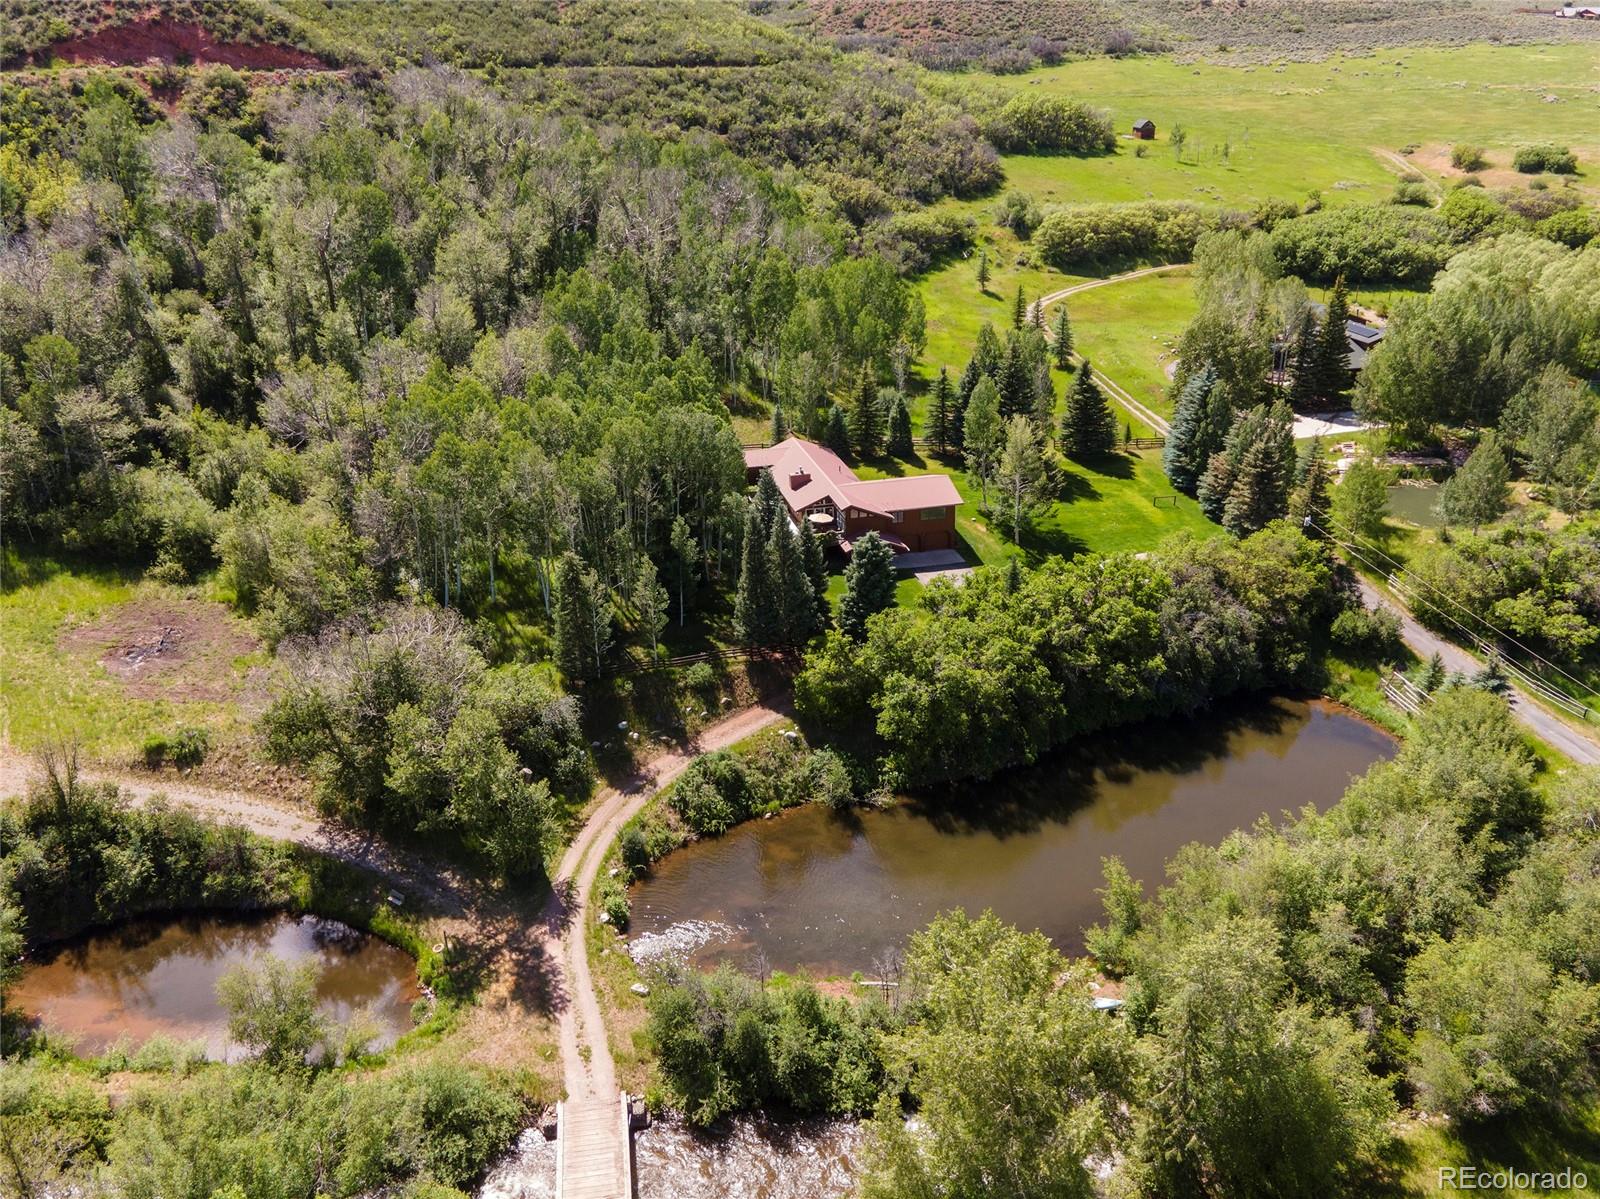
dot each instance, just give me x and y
(594, 1148)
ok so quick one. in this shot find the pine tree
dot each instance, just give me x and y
(941, 411)
(1016, 387)
(1303, 383)
(1246, 485)
(1476, 494)
(835, 432)
(753, 602)
(816, 568)
(794, 615)
(1019, 309)
(1186, 453)
(983, 434)
(1432, 674)
(983, 270)
(899, 443)
(868, 585)
(1044, 400)
(650, 602)
(780, 427)
(1036, 314)
(1333, 349)
(866, 417)
(1062, 338)
(1310, 498)
(769, 502)
(1088, 428)
(987, 350)
(583, 615)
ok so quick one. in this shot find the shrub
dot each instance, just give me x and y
(1107, 233)
(1360, 242)
(1465, 157)
(714, 794)
(1030, 123)
(1545, 156)
(1019, 213)
(1367, 635)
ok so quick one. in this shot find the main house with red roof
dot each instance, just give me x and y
(911, 514)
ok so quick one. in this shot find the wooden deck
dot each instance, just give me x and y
(593, 1149)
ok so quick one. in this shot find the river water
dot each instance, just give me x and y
(158, 977)
(831, 893)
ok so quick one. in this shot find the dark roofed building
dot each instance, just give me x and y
(1144, 129)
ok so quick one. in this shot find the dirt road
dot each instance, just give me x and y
(540, 968)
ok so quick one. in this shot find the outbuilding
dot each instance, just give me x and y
(1144, 129)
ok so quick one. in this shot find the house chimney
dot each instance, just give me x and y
(798, 478)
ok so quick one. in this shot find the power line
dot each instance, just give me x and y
(1501, 633)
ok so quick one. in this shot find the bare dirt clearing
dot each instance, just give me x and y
(170, 649)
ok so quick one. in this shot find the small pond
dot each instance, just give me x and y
(831, 893)
(158, 977)
(1415, 502)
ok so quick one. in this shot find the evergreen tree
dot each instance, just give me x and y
(899, 443)
(780, 427)
(983, 434)
(1044, 400)
(1333, 349)
(987, 350)
(794, 616)
(868, 585)
(1476, 494)
(1303, 381)
(941, 414)
(816, 568)
(983, 270)
(753, 602)
(685, 557)
(835, 432)
(1246, 484)
(1087, 427)
(1036, 314)
(1063, 338)
(866, 417)
(1189, 441)
(582, 618)
(1014, 382)
(1019, 309)
(650, 602)
(1432, 674)
(1313, 479)
(769, 502)
(969, 380)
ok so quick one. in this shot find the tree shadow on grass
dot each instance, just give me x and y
(1111, 466)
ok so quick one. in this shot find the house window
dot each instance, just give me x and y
(897, 516)
(933, 513)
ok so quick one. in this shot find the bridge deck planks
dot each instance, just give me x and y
(593, 1156)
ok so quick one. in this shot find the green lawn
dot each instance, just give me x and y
(1525, 1144)
(1106, 507)
(1129, 331)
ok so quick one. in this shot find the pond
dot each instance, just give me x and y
(158, 977)
(1416, 503)
(833, 892)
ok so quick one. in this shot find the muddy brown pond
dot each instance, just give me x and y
(150, 977)
(828, 892)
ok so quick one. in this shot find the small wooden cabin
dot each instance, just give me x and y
(1144, 130)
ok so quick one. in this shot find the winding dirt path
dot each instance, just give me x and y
(536, 966)
(1118, 393)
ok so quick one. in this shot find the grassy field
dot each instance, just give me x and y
(54, 684)
(1286, 130)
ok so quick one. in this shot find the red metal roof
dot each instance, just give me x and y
(806, 473)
